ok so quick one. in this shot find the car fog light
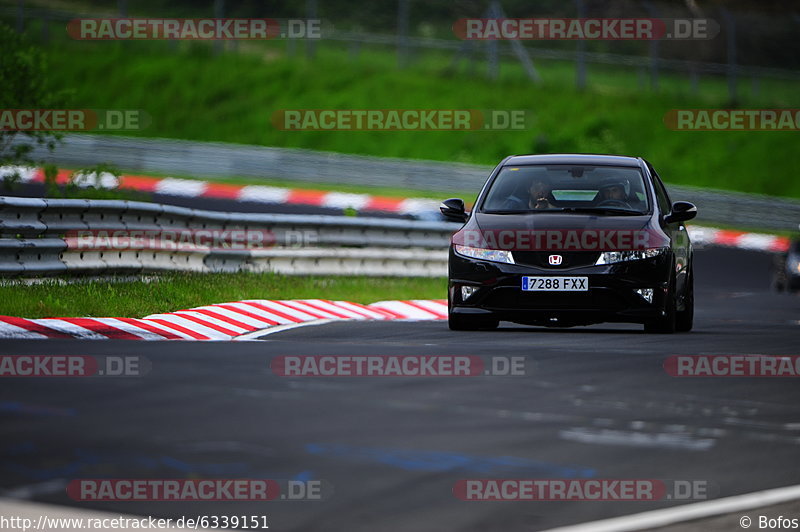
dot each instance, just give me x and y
(646, 293)
(467, 291)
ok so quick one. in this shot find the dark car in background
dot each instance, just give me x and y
(786, 275)
(565, 240)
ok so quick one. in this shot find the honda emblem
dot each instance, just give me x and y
(554, 260)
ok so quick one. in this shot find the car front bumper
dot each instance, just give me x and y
(611, 295)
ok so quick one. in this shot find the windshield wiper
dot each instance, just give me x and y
(604, 210)
(509, 211)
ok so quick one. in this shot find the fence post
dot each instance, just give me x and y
(20, 16)
(654, 48)
(402, 32)
(756, 86)
(491, 57)
(219, 12)
(492, 66)
(730, 33)
(311, 13)
(580, 55)
(46, 27)
(517, 47)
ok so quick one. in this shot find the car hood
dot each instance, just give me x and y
(542, 221)
(588, 232)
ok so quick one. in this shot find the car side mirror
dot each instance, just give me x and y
(681, 212)
(454, 209)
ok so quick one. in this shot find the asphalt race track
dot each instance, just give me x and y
(596, 402)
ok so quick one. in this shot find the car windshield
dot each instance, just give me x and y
(607, 190)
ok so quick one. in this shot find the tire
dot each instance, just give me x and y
(664, 324)
(468, 322)
(778, 285)
(684, 319)
(461, 322)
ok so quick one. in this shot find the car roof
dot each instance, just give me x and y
(575, 158)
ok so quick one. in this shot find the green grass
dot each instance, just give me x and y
(138, 297)
(192, 94)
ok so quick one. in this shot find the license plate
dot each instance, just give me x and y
(555, 284)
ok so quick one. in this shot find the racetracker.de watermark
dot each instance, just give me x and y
(400, 119)
(100, 29)
(733, 365)
(73, 119)
(560, 239)
(581, 29)
(160, 489)
(397, 366)
(27, 366)
(733, 119)
(602, 489)
(187, 239)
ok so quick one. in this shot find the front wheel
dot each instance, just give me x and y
(684, 320)
(777, 284)
(664, 324)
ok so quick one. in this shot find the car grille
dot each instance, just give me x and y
(569, 259)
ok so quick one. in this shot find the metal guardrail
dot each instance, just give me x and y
(50, 236)
(221, 160)
(40, 236)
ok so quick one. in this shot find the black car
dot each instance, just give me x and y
(786, 274)
(564, 240)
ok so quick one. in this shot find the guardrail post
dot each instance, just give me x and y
(580, 54)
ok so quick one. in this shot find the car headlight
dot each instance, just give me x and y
(494, 255)
(794, 265)
(610, 257)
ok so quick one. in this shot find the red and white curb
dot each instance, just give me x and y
(251, 193)
(709, 236)
(223, 321)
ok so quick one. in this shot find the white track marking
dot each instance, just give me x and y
(405, 310)
(688, 512)
(342, 200)
(303, 306)
(436, 307)
(249, 307)
(285, 309)
(374, 313)
(129, 328)
(70, 328)
(180, 187)
(232, 314)
(193, 326)
(262, 194)
(12, 331)
(335, 307)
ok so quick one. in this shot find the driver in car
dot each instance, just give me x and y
(540, 195)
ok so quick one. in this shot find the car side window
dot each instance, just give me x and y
(664, 203)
